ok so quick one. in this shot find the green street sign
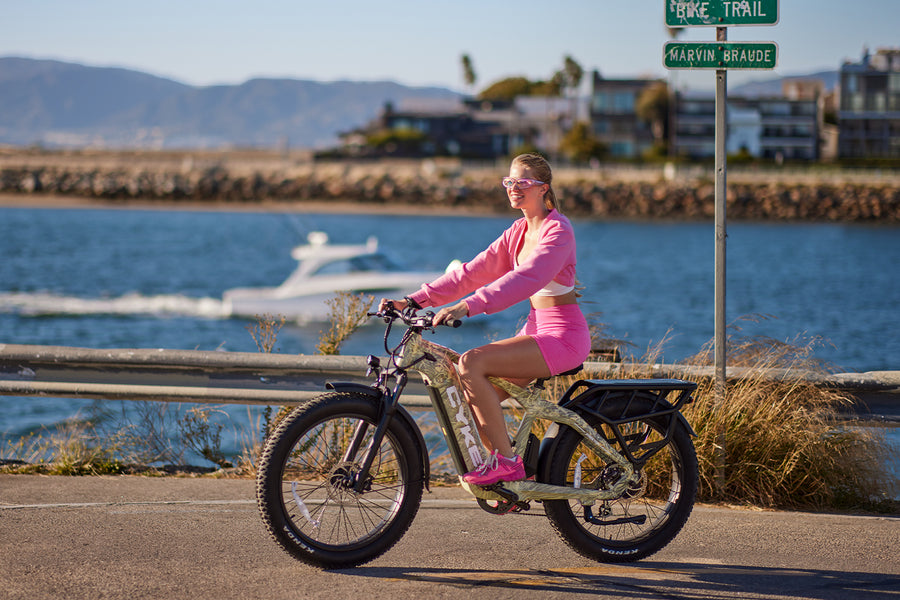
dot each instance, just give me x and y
(720, 13)
(720, 55)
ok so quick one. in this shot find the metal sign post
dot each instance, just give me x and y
(721, 235)
(720, 56)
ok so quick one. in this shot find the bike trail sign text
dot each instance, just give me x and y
(720, 13)
(720, 55)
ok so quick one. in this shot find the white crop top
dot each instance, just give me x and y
(554, 289)
(551, 289)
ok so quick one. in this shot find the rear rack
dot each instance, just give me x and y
(612, 401)
(580, 390)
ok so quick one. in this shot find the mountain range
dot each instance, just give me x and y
(57, 104)
(772, 86)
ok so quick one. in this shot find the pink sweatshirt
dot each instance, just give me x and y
(494, 277)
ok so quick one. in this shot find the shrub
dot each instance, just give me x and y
(778, 439)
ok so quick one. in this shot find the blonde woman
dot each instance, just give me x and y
(534, 259)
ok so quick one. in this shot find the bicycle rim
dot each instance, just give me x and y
(650, 512)
(319, 505)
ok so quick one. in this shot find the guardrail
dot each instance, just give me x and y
(281, 379)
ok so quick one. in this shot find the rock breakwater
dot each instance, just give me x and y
(597, 197)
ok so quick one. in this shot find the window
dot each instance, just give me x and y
(893, 82)
(621, 149)
(697, 108)
(623, 102)
(359, 264)
(601, 102)
(775, 108)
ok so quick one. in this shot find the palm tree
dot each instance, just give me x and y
(653, 108)
(468, 73)
(573, 74)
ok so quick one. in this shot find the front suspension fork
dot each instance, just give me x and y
(360, 479)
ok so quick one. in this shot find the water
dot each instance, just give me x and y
(153, 279)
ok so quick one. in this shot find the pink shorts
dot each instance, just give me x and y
(562, 334)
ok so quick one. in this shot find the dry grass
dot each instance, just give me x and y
(265, 331)
(784, 442)
(779, 440)
(346, 314)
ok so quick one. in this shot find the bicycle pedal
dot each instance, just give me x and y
(508, 495)
(502, 507)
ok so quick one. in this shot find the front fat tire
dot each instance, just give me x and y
(298, 490)
(666, 496)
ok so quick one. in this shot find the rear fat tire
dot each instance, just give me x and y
(300, 496)
(665, 495)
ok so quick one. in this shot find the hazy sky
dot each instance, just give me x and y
(204, 42)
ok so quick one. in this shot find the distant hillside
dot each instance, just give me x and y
(772, 87)
(59, 104)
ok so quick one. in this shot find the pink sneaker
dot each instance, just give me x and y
(496, 468)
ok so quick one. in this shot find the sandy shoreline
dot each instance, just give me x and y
(52, 201)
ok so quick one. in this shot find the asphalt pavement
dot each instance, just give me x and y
(143, 537)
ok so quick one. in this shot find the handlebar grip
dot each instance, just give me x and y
(454, 323)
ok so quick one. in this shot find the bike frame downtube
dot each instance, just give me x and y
(447, 428)
(456, 419)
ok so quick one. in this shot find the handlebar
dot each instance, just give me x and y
(416, 323)
(410, 317)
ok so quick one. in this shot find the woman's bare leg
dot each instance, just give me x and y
(517, 358)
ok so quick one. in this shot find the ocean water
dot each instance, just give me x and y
(117, 278)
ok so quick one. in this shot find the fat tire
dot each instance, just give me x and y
(370, 523)
(666, 516)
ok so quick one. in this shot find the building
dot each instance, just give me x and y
(782, 128)
(469, 128)
(869, 106)
(453, 128)
(614, 119)
(549, 118)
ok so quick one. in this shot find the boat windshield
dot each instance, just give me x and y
(358, 264)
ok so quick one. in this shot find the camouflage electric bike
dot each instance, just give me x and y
(341, 477)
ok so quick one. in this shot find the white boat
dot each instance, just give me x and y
(324, 270)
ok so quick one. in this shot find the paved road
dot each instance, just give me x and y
(138, 537)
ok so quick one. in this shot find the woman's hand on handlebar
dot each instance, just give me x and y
(398, 304)
(449, 314)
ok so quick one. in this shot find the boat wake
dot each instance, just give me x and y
(43, 304)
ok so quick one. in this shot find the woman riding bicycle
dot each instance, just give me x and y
(534, 259)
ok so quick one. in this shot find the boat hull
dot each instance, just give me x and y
(307, 308)
(324, 270)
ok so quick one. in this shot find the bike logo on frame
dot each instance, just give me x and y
(466, 429)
